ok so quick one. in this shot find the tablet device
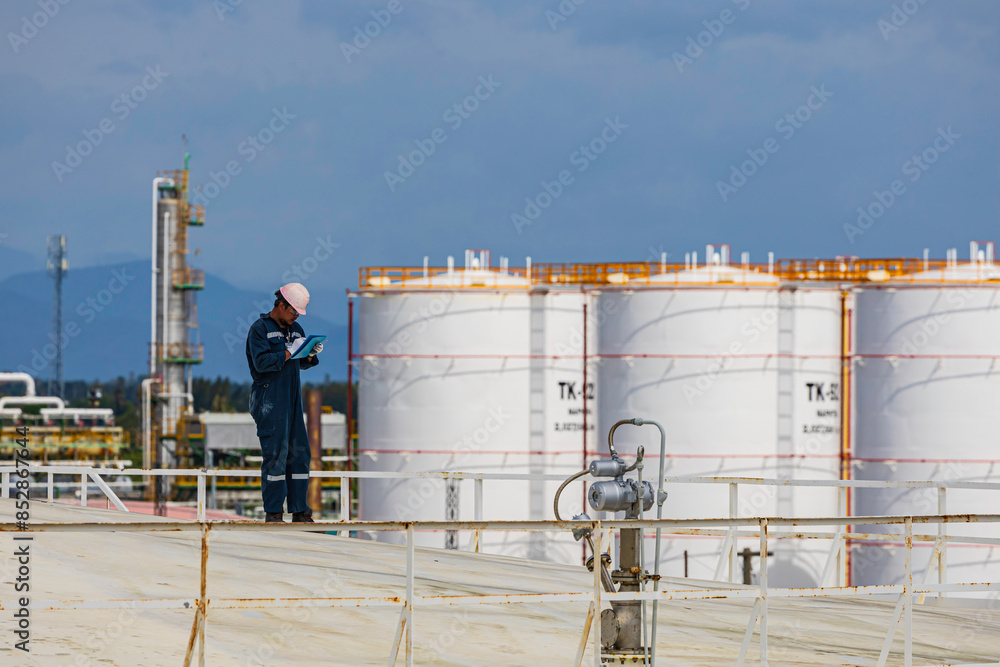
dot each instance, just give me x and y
(307, 346)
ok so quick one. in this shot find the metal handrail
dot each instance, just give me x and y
(761, 594)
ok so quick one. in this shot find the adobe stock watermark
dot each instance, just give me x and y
(372, 29)
(562, 12)
(461, 452)
(454, 116)
(696, 44)
(248, 149)
(223, 7)
(931, 325)
(88, 310)
(452, 633)
(282, 636)
(99, 642)
(121, 107)
(899, 17)
(300, 271)
(750, 331)
(581, 158)
(915, 167)
(31, 25)
(786, 126)
(376, 361)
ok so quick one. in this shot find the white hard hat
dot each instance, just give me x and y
(297, 296)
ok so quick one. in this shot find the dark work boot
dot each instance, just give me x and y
(274, 517)
(303, 517)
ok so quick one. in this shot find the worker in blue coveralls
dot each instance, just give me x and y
(276, 404)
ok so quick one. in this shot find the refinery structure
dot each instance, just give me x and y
(822, 427)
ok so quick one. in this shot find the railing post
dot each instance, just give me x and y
(203, 593)
(734, 510)
(943, 537)
(5, 482)
(49, 484)
(83, 490)
(477, 537)
(842, 545)
(409, 594)
(763, 592)
(201, 495)
(345, 498)
(345, 502)
(598, 550)
(908, 597)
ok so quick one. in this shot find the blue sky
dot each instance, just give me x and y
(686, 117)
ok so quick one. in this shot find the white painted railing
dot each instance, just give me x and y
(905, 593)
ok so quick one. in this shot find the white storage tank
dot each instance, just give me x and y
(927, 406)
(743, 372)
(469, 369)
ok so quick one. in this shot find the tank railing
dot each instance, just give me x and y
(905, 594)
(840, 269)
(727, 568)
(419, 277)
(186, 278)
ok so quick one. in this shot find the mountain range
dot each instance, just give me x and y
(106, 318)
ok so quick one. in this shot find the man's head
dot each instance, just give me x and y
(289, 302)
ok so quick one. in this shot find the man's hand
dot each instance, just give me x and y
(288, 354)
(294, 346)
(316, 350)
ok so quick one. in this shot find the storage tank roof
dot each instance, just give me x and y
(973, 272)
(716, 274)
(438, 278)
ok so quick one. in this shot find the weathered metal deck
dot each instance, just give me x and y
(158, 566)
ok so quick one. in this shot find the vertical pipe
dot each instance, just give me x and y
(583, 544)
(50, 487)
(585, 385)
(846, 366)
(314, 427)
(345, 494)
(152, 282)
(83, 490)
(350, 391)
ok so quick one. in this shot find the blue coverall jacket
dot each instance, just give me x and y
(276, 406)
